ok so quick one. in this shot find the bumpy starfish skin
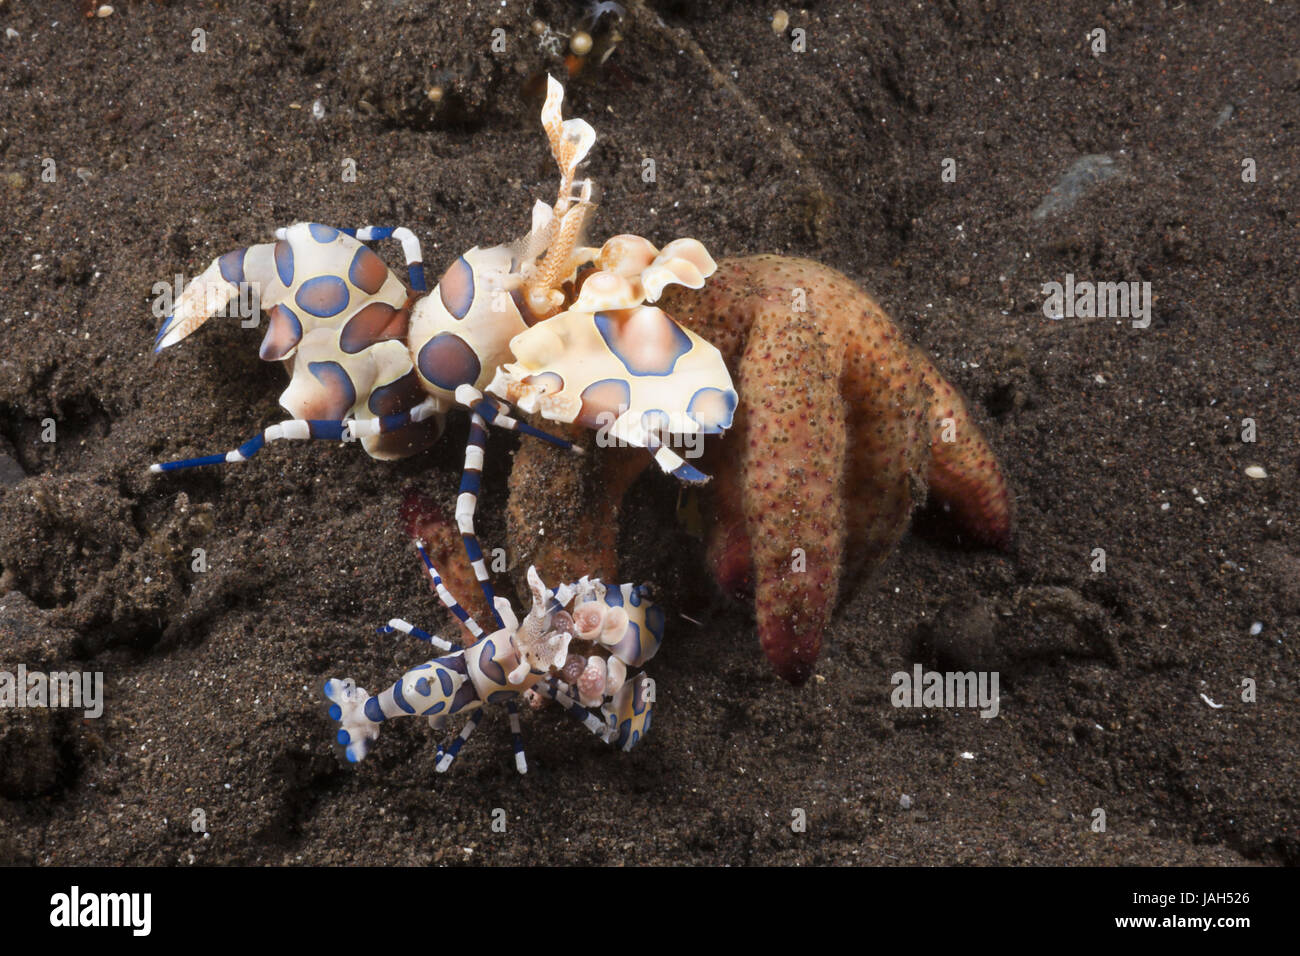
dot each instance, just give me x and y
(777, 531)
(840, 427)
(964, 474)
(563, 509)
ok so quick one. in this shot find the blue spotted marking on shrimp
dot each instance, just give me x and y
(232, 266)
(664, 344)
(456, 287)
(448, 361)
(322, 234)
(367, 271)
(654, 620)
(284, 262)
(338, 392)
(283, 333)
(323, 296)
(713, 409)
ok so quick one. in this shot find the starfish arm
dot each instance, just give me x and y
(887, 401)
(730, 555)
(964, 473)
(563, 510)
(792, 484)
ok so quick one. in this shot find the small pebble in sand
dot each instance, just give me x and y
(104, 11)
(318, 110)
(1254, 471)
(1256, 628)
(780, 20)
(905, 802)
(11, 33)
(434, 93)
(580, 43)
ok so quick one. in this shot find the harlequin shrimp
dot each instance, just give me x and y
(574, 647)
(545, 323)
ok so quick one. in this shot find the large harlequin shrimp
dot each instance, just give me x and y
(545, 322)
(574, 647)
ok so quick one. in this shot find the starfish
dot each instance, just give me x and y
(841, 428)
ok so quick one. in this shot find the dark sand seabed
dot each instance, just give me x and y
(1112, 437)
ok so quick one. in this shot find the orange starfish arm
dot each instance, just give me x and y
(964, 473)
(790, 470)
(903, 424)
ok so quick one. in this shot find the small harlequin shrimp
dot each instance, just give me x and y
(574, 647)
